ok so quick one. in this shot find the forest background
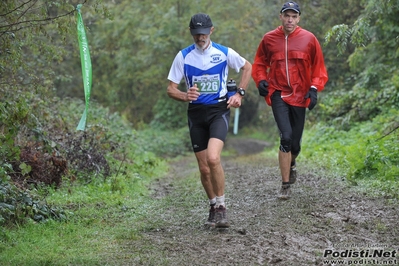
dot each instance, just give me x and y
(133, 127)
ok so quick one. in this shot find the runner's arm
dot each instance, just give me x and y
(174, 93)
(246, 75)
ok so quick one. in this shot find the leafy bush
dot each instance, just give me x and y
(165, 143)
(365, 152)
(169, 114)
(14, 113)
(16, 206)
(49, 150)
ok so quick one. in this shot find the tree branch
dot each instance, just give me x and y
(11, 11)
(389, 133)
(32, 21)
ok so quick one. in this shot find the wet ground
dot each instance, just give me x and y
(325, 221)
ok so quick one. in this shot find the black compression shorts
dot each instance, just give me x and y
(290, 122)
(207, 121)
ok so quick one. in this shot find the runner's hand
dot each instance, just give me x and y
(234, 101)
(312, 94)
(192, 93)
(262, 88)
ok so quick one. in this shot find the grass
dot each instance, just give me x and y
(366, 154)
(53, 243)
(103, 224)
(99, 219)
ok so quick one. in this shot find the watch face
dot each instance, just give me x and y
(241, 92)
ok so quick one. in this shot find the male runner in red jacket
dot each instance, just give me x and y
(289, 70)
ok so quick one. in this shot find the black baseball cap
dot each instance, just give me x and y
(291, 6)
(200, 24)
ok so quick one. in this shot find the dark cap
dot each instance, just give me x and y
(200, 24)
(291, 6)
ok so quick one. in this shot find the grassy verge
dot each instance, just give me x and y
(99, 218)
(105, 226)
(365, 154)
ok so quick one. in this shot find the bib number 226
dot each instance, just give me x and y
(207, 84)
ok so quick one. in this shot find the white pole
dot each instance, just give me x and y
(236, 116)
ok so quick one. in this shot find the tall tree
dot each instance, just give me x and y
(373, 63)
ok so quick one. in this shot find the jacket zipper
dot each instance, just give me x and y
(286, 64)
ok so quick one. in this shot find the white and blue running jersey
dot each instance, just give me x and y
(208, 69)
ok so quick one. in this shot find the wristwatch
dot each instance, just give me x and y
(241, 91)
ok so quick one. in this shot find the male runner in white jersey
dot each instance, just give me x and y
(204, 66)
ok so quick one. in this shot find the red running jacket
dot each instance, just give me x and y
(290, 64)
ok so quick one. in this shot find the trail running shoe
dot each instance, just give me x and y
(292, 175)
(221, 217)
(285, 192)
(211, 219)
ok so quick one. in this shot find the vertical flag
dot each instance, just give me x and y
(86, 66)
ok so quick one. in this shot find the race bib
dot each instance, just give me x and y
(208, 84)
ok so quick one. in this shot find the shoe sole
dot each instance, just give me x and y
(209, 224)
(283, 198)
(222, 225)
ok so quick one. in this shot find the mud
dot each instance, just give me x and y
(326, 219)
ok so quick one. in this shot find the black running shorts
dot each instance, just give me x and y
(290, 122)
(207, 121)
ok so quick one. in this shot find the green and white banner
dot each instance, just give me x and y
(86, 66)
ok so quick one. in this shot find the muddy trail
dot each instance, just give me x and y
(326, 222)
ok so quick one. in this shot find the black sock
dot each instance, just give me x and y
(286, 183)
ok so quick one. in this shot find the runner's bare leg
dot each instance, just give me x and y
(284, 159)
(205, 173)
(215, 147)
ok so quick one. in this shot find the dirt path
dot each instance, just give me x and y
(324, 217)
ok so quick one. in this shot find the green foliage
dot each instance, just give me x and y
(124, 47)
(17, 207)
(13, 114)
(133, 41)
(109, 146)
(169, 114)
(166, 143)
(132, 54)
(333, 14)
(365, 152)
(30, 47)
(373, 63)
(381, 160)
(340, 34)
(101, 218)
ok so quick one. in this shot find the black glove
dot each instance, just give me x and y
(262, 88)
(312, 94)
